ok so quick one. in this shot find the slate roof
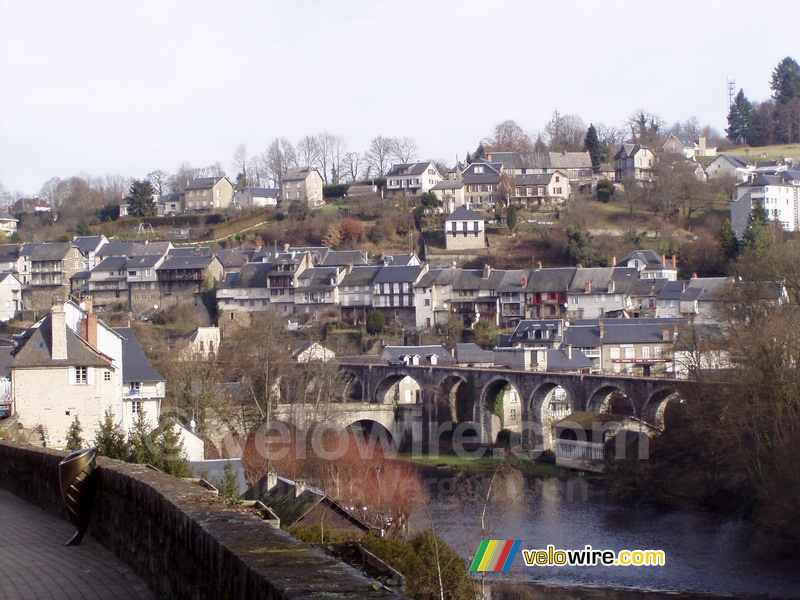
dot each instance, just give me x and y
(439, 277)
(263, 192)
(189, 262)
(559, 360)
(521, 160)
(341, 258)
(570, 160)
(87, 243)
(9, 252)
(397, 274)
(491, 173)
(551, 280)
(629, 150)
(462, 213)
(252, 275)
(144, 261)
(533, 179)
(360, 276)
(397, 259)
(734, 160)
(297, 174)
(204, 183)
(231, 258)
(48, 252)
(473, 279)
(37, 348)
(448, 184)
(112, 263)
(514, 280)
(585, 333)
(651, 258)
(135, 366)
(397, 352)
(116, 249)
(472, 353)
(549, 329)
(417, 168)
(317, 279)
(647, 287)
(169, 198)
(185, 252)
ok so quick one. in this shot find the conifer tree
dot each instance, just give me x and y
(74, 439)
(728, 241)
(110, 439)
(592, 145)
(171, 457)
(140, 442)
(140, 199)
(757, 236)
(741, 120)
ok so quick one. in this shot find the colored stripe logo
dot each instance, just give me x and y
(495, 555)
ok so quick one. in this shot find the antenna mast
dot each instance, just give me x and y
(731, 91)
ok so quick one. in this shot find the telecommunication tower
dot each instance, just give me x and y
(731, 91)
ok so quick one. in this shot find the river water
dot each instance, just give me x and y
(704, 554)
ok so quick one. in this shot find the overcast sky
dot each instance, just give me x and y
(127, 87)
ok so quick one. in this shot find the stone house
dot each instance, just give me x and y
(355, 293)
(51, 268)
(208, 193)
(450, 193)
(634, 162)
(596, 292)
(482, 184)
(256, 197)
(464, 230)
(539, 188)
(184, 278)
(108, 282)
(304, 184)
(393, 293)
(142, 278)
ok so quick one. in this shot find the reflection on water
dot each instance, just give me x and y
(703, 554)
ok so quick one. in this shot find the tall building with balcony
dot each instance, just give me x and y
(51, 268)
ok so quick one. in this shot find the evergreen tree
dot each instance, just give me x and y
(376, 322)
(741, 117)
(110, 439)
(74, 439)
(171, 458)
(511, 218)
(605, 189)
(140, 199)
(480, 152)
(227, 485)
(140, 442)
(728, 241)
(785, 82)
(757, 235)
(468, 159)
(592, 145)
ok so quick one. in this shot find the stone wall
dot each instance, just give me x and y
(180, 539)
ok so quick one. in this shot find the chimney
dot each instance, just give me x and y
(694, 275)
(703, 143)
(539, 265)
(569, 351)
(663, 260)
(602, 329)
(674, 262)
(487, 271)
(88, 303)
(286, 246)
(349, 268)
(58, 332)
(89, 328)
(525, 281)
(309, 262)
(299, 487)
(665, 334)
(587, 287)
(272, 480)
(613, 261)
(611, 287)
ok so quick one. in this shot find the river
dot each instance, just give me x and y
(704, 553)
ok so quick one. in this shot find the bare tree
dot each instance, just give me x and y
(308, 151)
(565, 133)
(379, 154)
(646, 128)
(352, 163)
(240, 162)
(509, 137)
(278, 158)
(611, 136)
(183, 175)
(336, 152)
(160, 180)
(404, 150)
(325, 147)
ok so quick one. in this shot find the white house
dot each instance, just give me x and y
(778, 194)
(10, 296)
(464, 229)
(412, 178)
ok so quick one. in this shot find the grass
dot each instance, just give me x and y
(484, 463)
(766, 152)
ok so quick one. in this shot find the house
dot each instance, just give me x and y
(232, 261)
(203, 343)
(355, 293)
(464, 230)
(318, 289)
(634, 162)
(141, 270)
(726, 165)
(472, 355)
(51, 268)
(143, 388)
(10, 259)
(303, 184)
(476, 296)
(170, 204)
(298, 504)
(687, 148)
(411, 179)
(511, 291)
(433, 295)
(701, 349)
(393, 293)
(256, 197)
(596, 292)
(539, 333)
(651, 265)
(8, 225)
(30, 206)
(642, 346)
(307, 351)
(89, 245)
(577, 166)
(546, 292)
(343, 258)
(108, 282)
(539, 188)
(208, 193)
(10, 296)
(481, 184)
(182, 278)
(585, 440)
(244, 291)
(450, 192)
(778, 195)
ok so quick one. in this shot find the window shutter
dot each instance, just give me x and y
(90, 375)
(72, 375)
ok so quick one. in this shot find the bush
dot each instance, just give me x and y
(376, 322)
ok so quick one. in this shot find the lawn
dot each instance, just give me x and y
(484, 463)
(766, 152)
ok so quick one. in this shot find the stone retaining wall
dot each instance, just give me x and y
(178, 538)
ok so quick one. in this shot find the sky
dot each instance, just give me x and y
(112, 87)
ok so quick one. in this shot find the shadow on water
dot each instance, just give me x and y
(706, 557)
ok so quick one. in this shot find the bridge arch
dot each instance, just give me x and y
(454, 398)
(398, 388)
(611, 398)
(353, 386)
(656, 406)
(371, 434)
(548, 403)
(499, 407)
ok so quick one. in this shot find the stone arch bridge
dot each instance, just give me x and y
(462, 395)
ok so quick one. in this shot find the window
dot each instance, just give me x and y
(106, 375)
(645, 351)
(81, 375)
(513, 414)
(136, 407)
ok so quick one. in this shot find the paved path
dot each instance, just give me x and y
(34, 563)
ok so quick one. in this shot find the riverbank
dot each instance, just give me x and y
(532, 591)
(447, 460)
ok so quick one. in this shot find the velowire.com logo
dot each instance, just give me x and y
(495, 555)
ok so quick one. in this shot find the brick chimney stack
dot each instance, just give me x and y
(89, 322)
(299, 487)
